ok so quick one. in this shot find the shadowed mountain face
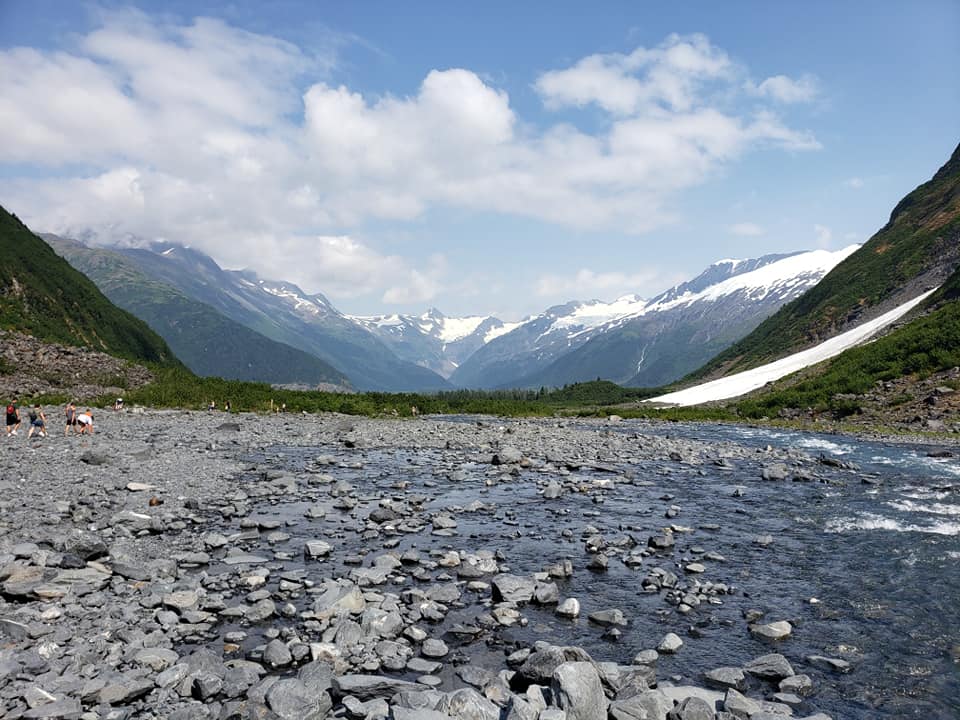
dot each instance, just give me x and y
(43, 296)
(209, 343)
(284, 313)
(917, 249)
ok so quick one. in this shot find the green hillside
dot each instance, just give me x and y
(919, 247)
(42, 295)
(209, 343)
(927, 345)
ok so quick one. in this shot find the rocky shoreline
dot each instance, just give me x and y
(146, 572)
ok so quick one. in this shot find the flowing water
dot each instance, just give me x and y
(864, 563)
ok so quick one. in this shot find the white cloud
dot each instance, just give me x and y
(238, 144)
(784, 89)
(824, 236)
(586, 283)
(854, 183)
(747, 229)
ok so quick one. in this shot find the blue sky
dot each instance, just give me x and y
(497, 160)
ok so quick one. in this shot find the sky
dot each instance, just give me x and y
(492, 158)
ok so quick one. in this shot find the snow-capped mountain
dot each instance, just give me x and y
(646, 342)
(285, 313)
(434, 340)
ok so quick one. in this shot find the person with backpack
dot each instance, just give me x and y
(38, 422)
(71, 415)
(13, 418)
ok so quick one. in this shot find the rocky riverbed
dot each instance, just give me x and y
(205, 565)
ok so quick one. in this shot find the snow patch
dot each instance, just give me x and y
(496, 332)
(742, 383)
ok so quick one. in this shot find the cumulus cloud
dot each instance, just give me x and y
(747, 229)
(787, 90)
(589, 283)
(241, 145)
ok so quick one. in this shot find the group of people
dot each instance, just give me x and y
(80, 422)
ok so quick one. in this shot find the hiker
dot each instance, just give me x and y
(212, 405)
(85, 420)
(118, 405)
(71, 415)
(13, 418)
(38, 422)
(226, 406)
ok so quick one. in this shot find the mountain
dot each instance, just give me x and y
(284, 313)
(43, 296)
(209, 343)
(433, 340)
(917, 249)
(646, 342)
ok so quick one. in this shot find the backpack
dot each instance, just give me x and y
(11, 410)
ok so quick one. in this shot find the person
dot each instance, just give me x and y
(226, 406)
(13, 417)
(212, 405)
(85, 419)
(38, 422)
(71, 415)
(118, 405)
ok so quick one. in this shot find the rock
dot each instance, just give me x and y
(552, 491)
(124, 690)
(800, 685)
(507, 456)
(828, 663)
(546, 593)
(773, 666)
(740, 706)
(512, 588)
(779, 630)
(181, 600)
(139, 486)
(433, 648)
(643, 706)
(157, 659)
(578, 691)
(775, 472)
(367, 687)
(692, 708)
(608, 617)
(314, 549)
(468, 704)
(670, 643)
(276, 654)
(66, 709)
(568, 608)
(94, 457)
(291, 699)
(727, 677)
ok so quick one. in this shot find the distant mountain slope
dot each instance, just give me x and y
(209, 343)
(433, 340)
(284, 313)
(647, 342)
(43, 296)
(917, 249)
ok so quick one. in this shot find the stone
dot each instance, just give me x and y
(568, 608)
(828, 663)
(157, 659)
(290, 699)
(433, 648)
(181, 600)
(606, 618)
(512, 588)
(468, 704)
(577, 690)
(367, 687)
(314, 549)
(727, 677)
(739, 705)
(670, 644)
(800, 685)
(779, 630)
(692, 708)
(773, 666)
(277, 654)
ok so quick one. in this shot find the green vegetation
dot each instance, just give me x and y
(41, 295)
(208, 342)
(925, 346)
(923, 234)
